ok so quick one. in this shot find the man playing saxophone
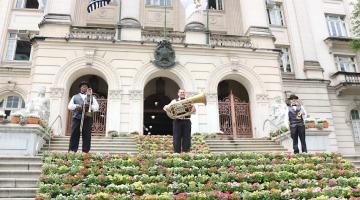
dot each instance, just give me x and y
(297, 115)
(81, 122)
(181, 127)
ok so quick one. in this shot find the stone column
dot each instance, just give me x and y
(137, 111)
(312, 66)
(212, 109)
(58, 107)
(113, 111)
(255, 23)
(57, 19)
(129, 25)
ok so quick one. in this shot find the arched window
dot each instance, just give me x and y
(355, 119)
(11, 103)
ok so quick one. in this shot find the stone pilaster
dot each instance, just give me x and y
(129, 25)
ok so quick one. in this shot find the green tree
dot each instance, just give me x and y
(356, 25)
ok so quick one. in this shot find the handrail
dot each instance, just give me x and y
(49, 129)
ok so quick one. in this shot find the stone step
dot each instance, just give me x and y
(245, 149)
(20, 159)
(91, 151)
(18, 183)
(96, 142)
(17, 192)
(94, 149)
(17, 198)
(244, 146)
(20, 166)
(237, 151)
(95, 139)
(29, 174)
(109, 145)
(352, 157)
(240, 142)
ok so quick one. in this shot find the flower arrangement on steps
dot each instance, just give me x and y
(164, 144)
(198, 176)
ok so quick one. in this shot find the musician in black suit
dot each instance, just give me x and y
(76, 105)
(181, 127)
(297, 115)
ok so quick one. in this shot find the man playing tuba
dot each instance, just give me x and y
(181, 126)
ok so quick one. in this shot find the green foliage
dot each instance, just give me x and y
(355, 19)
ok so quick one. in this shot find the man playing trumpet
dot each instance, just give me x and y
(81, 122)
(297, 115)
(181, 127)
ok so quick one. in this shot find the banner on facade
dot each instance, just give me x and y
(192, 6)
(94, 4)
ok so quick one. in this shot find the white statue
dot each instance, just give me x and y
(40, 105)
(278, 115)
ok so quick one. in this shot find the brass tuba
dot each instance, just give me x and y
(183, 107)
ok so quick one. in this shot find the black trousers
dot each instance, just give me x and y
(182, 135)
(86, 134)
(298, 131)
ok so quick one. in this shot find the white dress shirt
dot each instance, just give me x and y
(94, 105)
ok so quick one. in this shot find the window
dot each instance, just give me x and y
(345, 63)
(216, 5)
(355, 119)
(12, 102)
(285, 61)
(275, 14)
(158, 2)
(336, 25)
(19, 47)
(31, 4)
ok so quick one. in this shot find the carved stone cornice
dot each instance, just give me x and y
(56, 92)
(115, 94)
(136, 94)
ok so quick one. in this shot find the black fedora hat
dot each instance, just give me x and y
(84, 83)
(293, 96)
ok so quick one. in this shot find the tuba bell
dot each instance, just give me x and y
(183, 107)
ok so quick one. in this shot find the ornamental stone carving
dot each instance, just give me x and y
(56, 92)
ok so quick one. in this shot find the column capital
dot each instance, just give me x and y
(56, 92)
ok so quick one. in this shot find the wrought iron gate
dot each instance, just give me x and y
(99, 119)
(235, 117)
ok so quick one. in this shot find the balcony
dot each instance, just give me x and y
(92, 33)
(338, 44)
(346, 83)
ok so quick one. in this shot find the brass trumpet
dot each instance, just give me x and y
(183, 108)
(84, 113)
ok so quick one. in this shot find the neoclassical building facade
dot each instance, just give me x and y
(245, 55)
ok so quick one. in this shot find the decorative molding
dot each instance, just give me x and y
(56, 92)
(262, 98)
(56, 19)
(236, 63)
(195, 27)
(212, 97)
(89, 55)
(129, 23)
(136, 94)
(115, 94)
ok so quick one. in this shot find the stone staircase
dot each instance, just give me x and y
(238, 145)
(98, 145)
(19, 176)
(354, 159)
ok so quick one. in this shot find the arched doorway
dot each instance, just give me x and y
(100, 90)
(157, 93)
(234, 109)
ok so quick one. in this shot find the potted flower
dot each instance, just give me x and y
(2, 116)
(33, 118)
(15, 117)
(310, 123)
(323, 123)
